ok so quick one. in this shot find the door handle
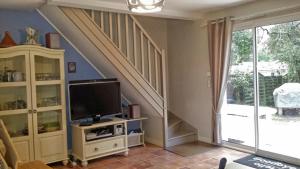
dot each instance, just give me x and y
(34, 111)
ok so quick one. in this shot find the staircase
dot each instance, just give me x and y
(121, 38)
(179, 132)
(118, 46)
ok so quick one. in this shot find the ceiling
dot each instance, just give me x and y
(182, 9)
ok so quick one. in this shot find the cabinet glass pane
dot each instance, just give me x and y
(49, 121)
(17, 125)
(12, 69)
(46, 69)
(48, 95)
(12, 98)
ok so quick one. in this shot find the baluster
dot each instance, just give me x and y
(93, 15)
(134, 44)
(102, 20)
(110, 26)
(164, 78)
(127, 36)
(149, 62)
(156, 70)
(143, 56)
(119, 32)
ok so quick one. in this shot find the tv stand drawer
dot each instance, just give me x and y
(101, 147)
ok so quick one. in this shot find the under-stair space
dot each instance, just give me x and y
(179, 132)
(118, 46)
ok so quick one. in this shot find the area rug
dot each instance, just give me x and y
(264, 163)
(190, 149)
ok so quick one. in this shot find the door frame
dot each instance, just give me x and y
(253, 24)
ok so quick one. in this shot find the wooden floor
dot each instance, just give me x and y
(153, 157)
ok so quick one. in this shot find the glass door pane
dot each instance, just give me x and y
(17, 125)
(13, 98)
(13, 69)
(49, 121)
(278, 50)
(237, 113)
(46, 68)
(48, 95)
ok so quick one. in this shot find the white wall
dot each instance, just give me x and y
(190, 97)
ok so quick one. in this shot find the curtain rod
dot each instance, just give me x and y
(288, 11)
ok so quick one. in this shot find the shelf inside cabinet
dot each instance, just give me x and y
(49, 108)
(12, 84)
(13, 112)
(49, 82)
(137, 119)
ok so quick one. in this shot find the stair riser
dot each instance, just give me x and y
(181, 140)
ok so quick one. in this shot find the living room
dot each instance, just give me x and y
(227, 95)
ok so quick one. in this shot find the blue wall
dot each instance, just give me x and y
(16, 21)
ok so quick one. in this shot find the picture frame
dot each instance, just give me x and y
(71, 67)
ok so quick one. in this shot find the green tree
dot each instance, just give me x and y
(241, 48)
(284, 45)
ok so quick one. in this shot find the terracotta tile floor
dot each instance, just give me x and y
(153, 157)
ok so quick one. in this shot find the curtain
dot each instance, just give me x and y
(219, 43)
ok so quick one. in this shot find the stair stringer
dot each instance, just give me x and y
(130, 86)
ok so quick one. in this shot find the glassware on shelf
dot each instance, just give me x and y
(48, 101)
(9, 75)
(46, 76)
(14, 105)
(17, 76)
(48, 127)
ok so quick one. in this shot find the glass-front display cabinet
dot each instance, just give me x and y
(32, 101)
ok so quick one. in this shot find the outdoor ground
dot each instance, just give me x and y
(277, 133)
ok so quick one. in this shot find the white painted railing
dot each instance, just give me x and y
(136, 45)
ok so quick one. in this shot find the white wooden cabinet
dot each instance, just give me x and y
(85, 150)
(32, 101)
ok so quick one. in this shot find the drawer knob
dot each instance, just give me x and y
(115, 145)
(96, 149)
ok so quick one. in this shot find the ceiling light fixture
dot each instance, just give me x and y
(145, 6)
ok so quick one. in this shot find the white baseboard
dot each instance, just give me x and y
(154, 141)
(204, 139)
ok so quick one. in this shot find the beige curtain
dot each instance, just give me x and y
(219, 43)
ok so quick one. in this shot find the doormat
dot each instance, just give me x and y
(264, 163)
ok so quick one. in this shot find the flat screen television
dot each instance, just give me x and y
(94, 98)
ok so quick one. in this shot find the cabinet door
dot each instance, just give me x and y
(15, 99)
(48, 101)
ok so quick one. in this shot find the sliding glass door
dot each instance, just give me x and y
(238, 107)
(261, 110)
(278, 53)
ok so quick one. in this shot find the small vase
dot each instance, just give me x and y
(7, 41)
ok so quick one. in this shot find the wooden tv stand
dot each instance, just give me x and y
(85, 150)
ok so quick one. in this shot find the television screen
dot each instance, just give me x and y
(88, 99)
